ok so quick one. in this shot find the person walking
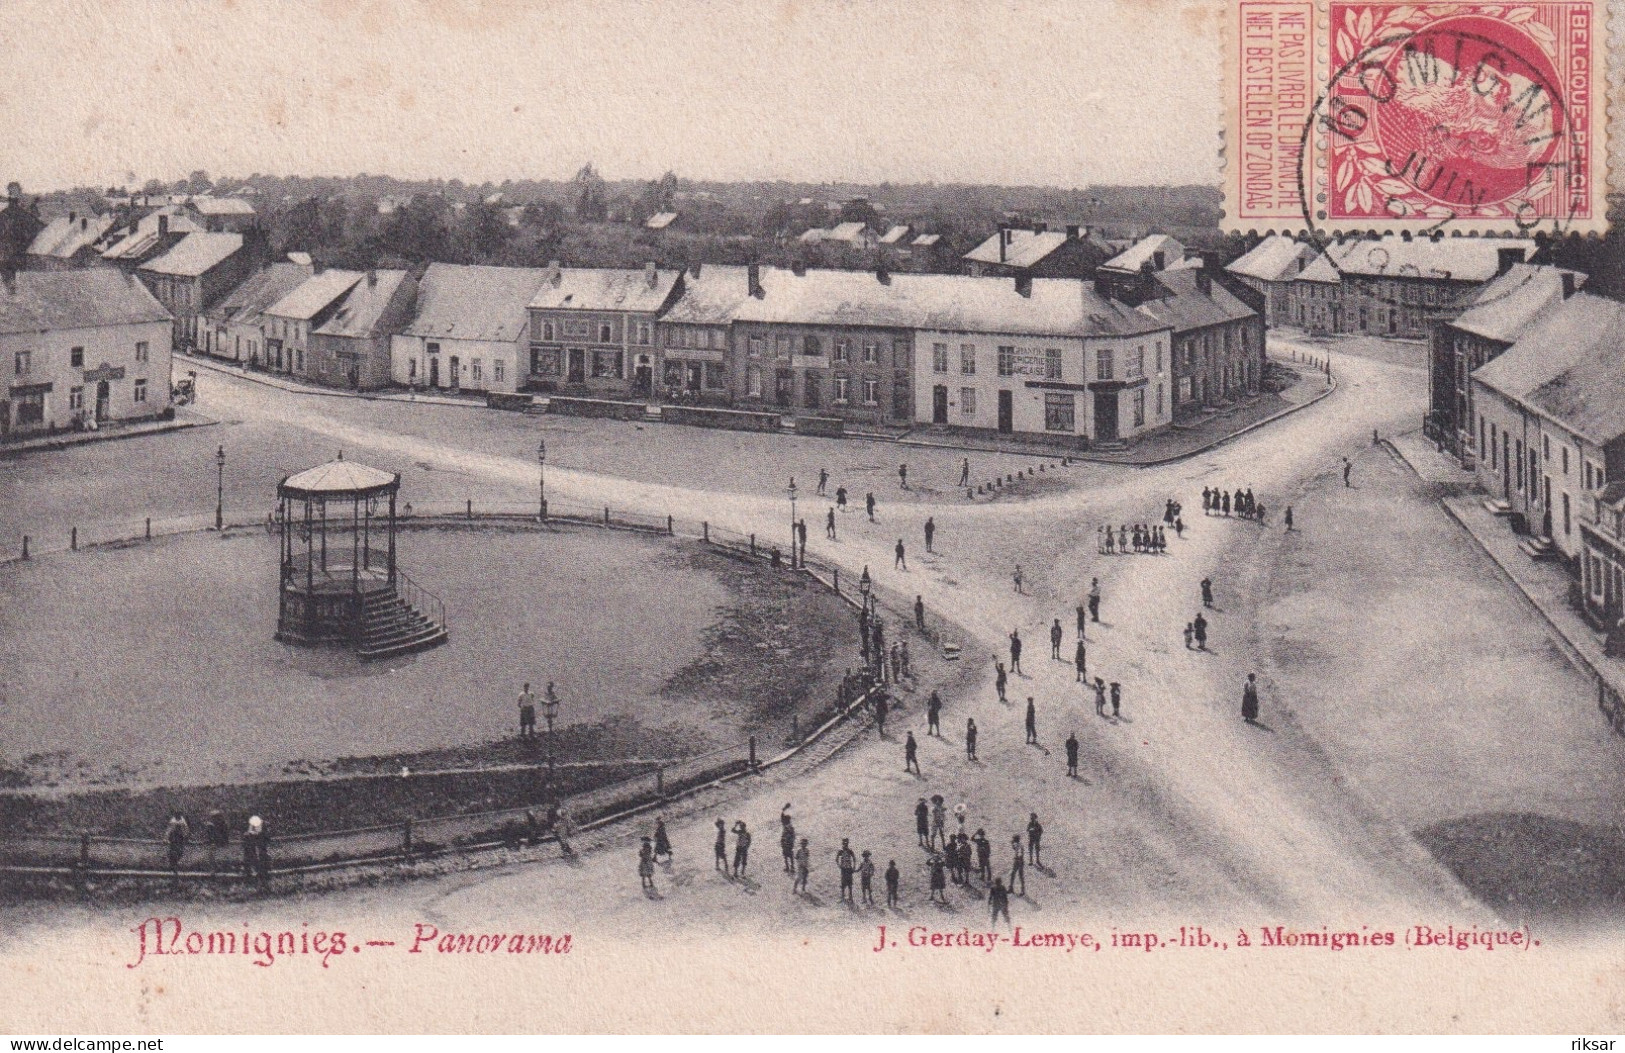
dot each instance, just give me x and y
(901, 560)
(176, 834)
(869, 503)
(1083, 618)
(646, 866)
(1179, 527)
(984, 855)
(939, 880)
(896, 663)
(1032, 722)
(527, 713)
(803, 867)
(893, 878)
(1289, 517)
(1035, 841)
(722, 846)
(1016, 577)
(1080, 659)
(1117, 698)
(1001, 679)
(1348, 467)
(1199, 631)
(922, 823)
(902, 477)
(1100, 697)
(939, 821)
(741, 848)
(933, 715)
(911, 755)
(1249, 700)
(823, 480)
(829, 523)
(1111, 542)
(866, 879)
(881, 709)
(1015, 651)
(930, 532)
(840, 498)
(1072, 755)
(846, 861)
(970, 739)
(662, 841)
(787, 840)
(1207, 592)
(1018, 866)
(1094, 600)
(919, 612)
(998, 900)
(1056, 634)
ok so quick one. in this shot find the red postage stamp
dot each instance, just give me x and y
(1384, 116)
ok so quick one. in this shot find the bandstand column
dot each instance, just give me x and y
(392, 537)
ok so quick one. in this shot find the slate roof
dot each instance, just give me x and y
(196, 254)
(660, 220)
(925, 241)
(144, 236)
(1508, 305)
(1145, 251)
(1277, 258)
(1589, 396)
(1320, 270)
(1556, 341)
(896, 234)
(246, 303)
(604, 289)
(1461, 258)
(457, 302)
(315, 294)
(78, 299)
(222, 206)
(1026, 249)
(364, 312)
(1190, 308)
(712, 298)
(62, 238)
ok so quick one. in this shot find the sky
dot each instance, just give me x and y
(1065, 93)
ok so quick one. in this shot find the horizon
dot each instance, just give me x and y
(494, 90)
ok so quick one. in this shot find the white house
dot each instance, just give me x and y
(471, 330)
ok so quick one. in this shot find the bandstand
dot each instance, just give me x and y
(339, 582)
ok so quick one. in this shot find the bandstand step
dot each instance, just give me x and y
(431, 635)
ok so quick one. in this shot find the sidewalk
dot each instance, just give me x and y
(184, 418)
(296, 387)
(1426, 460)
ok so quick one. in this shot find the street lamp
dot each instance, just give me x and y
(220, 488)
(541, 464)
(792, 522)
(550, 709)
(865, 583)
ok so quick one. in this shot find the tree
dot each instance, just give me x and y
(589, 192)
(489, 230)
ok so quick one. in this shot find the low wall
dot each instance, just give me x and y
(708, 417)
(828, 427)
(506, 400)
(571, 406)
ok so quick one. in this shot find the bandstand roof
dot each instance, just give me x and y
(339, 478)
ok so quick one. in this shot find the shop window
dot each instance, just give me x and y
(1060, 411)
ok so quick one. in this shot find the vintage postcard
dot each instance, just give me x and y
(811, 517)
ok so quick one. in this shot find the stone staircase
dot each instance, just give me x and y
(393, 626)
(1538, 548)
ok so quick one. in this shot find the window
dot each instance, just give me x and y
(140, 350)
(1565, 460)
(810, 346)
(23, 361)
(843, 387)
(547, 330)
(1139, 408)
(753, 381)
(1134, 364)
(967, 402)
(575, 327)
(478, 371)
(498, 371)
(939, 358)
(871, 391)
(1103, 364)
(645, 332)
(1566, 524)
(781, 347)
(758, 345)
(1159, 400)
(1493, 438)
(1545, 440)
(606, 363)
(967, 359)
(606, 333)
(76, 358)
(1159, 357)
(1060, 411)
(843, 350)
(902, 401)
(412, 368)
(871, 352)
(544, 363)
(30, 408)
(1007, 361)
(140, 390)
(76, 398)
(715, 375)
(1052, 363)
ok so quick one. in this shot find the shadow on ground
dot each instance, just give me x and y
(1527, 866)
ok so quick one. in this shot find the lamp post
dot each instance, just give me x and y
(541, 465)
(865, 583)
(792, 491)
(550, 710)
(220, 488)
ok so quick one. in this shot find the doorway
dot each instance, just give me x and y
(577, 371)
(643, 378)
(104, 399)
(1105, 416)
(1007, 412)
(939, 404)
(434, 371)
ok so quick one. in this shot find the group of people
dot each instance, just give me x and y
(1140, 538)
(217, 839)
(1216, 502)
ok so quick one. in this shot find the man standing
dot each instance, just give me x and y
(1035, 841)
(1117, 698)
(1072, 755)
(900, 561)
(1032, 722)
(902, 476)
(866, 878)
(970, 738)
(801, 536)
(922, 823)
(880, 714)
(1289, 517)
(919, 612)
(803, 867)
(527, 714)
(846, 862)
(1018, 866)
(998, 902)
(869, 502)
(1083, 619)
(1015, 651)
(984, 855)
(930, 532)
(933, 715)
(741, 848)
(1249, 700)
(722, 846)
(829, 524)
(892, 878)
(964, 472)
(1056, 633)
(1001, 679)
(1348, 467)
(939, 822)
(176, 834)
(1207, 592)
(1094, 599)
(911, 755)
(1080, 658)
(823, 480)
(787, 840)
(1199, 630)
(1100, 697)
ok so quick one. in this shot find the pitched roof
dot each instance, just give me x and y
(63, 237)
(948, 302)
(265, 287)
(1275, 259)
(604, 289)
(1589, 396)
(1556, 341)
(315, 294)
(338, 477)
(222, 206)
(1508, 305)
(711, 298)
(195, 254)
(896, 234)
(365, 310)
(79, 299)
(927, 240)
(1461, 258)
(1025, 249)
(1145, 251)
(1320, 270)
(1189, 307)
(853, 230)
(144, 236)
(457, 302)
(660, 220)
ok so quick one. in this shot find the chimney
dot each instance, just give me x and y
(694, 268)
(163, 226)
(317, 266)
(1039, 228)
(1004, 241)
(651, 275)
(882, 275)
(1024, 285)
(1204, 282)
(753, 279)
(1073, 232)
(1160, 258)
(84, 222)
(372, 277)
(1568, 284)
(798, 267)
(73, 217)
(1505, 258)
(555, 275)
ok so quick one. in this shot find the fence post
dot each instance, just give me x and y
(753, 753)
(669, 530)
(606, 515)
(73, 539)
(406, 837)
(25, 546)
(470, 512)
(149, 528)
(705, 529)
(753, 544)
(836, 578)
(660, 782)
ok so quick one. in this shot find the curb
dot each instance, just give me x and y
(304, 389)
(12, 452)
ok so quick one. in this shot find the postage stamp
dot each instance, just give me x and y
(1385, 116)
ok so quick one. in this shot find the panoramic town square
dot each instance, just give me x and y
(649, 590)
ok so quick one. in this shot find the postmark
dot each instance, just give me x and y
(1388, 117)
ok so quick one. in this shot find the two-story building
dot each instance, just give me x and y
(592, 330)
(1269, 268)
(1218, 341)
(189, 278)
(470, 330)
(1602, 574)
(693, 334)
(79, 345)
(350, 347)
(234, 328)
(289, 323)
